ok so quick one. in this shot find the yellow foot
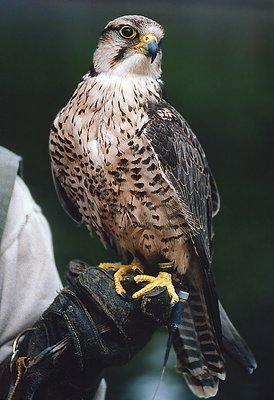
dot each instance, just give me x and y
(163, 279)
(121, 270)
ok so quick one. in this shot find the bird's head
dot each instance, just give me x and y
(130, 45)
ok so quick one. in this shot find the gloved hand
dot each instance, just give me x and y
(87, 328)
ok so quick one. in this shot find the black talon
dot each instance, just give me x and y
(125, 297)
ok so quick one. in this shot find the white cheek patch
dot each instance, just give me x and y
(135, 63)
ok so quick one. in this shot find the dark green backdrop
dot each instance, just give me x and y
(218, 69)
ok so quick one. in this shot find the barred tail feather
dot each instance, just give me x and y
(199, 357)
(204, 388)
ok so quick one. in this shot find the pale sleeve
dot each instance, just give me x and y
(29, 278)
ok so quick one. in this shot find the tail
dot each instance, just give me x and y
(199, 356)
(234, 345)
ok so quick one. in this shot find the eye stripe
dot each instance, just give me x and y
(120, 54)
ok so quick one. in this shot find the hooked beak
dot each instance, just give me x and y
(148, 46)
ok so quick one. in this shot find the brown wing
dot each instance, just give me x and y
(185, 162)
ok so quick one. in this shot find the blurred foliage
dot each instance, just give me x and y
(218, 70)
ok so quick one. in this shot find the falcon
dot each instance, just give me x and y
(127, 165)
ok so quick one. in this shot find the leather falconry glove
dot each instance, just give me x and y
(87, 328)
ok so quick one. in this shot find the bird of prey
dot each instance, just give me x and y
(127, 164)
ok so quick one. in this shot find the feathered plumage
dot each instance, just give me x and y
(127, 164)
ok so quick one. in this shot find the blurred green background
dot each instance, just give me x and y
(218, 69)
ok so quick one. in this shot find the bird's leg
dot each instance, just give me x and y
(164, 278)
(121, 270)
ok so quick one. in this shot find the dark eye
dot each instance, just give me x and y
(128, 32)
